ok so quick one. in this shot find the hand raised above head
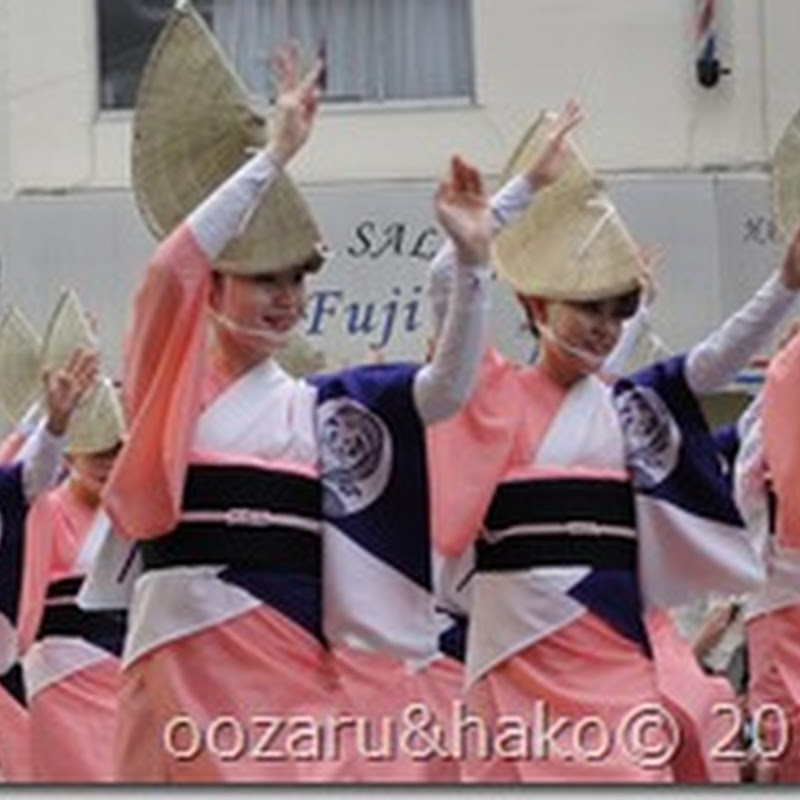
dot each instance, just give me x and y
(547, 166)
(65, 387)
(650, 259)
(296, 104)
(462, 209)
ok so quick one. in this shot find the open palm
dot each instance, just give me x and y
(462, 209)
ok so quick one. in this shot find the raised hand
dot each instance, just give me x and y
(462, 209)
(296, 104)
(65, 387)
(650, 259)
(790, 270)
(547, 167)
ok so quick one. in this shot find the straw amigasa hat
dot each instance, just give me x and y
(98, 423)
(20, 383)
(67, 329)
(570, 244)
(193, 127)
(786, 179)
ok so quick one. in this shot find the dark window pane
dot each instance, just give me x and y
(377, 50)
(127, 30)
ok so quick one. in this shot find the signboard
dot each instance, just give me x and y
(371, 297)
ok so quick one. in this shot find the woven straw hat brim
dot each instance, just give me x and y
(20, 382)
(194, 126)
(67, 329)
(193, 123)
(98, 423)
(786, 179)
(570, 243)
(281, 233)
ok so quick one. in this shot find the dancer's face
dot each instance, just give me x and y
(93, 469)
(272, 302)
(578, 337)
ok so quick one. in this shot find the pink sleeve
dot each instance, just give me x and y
(468, 454)
(38, 557)
(782, 439)
(164, 365)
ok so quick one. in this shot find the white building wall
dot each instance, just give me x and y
(687, 165)
(5, 172)
(51, 97)
(631, 62)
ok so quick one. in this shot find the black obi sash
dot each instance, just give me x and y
(63, 617)
(559, 522)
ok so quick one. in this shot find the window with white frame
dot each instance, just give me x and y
(376, 51)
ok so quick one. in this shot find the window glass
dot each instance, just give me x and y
(376, 50)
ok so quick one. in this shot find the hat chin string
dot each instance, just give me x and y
(275, 338)
(589, 359)
(88, 482)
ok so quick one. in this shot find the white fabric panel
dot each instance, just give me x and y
(56, 658)
(171, 603)
(586, 431)
(112, 573)
(674, 569)
(397, 619)
(266, 414)
(9, 647)
(513, 610)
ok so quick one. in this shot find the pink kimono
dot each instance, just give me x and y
(240, 477)
(585, 507)
(70, 658)
(15, 751)
(782, 437)
(20, 483)
(254, 633)
(556, 623)
(526, 658)
(703, 705)
(772, 615)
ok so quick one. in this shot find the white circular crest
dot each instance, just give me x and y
(652, 437)
(356, 455)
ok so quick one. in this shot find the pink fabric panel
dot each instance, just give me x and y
(164, 365)
(55, 532)
(255, 666)
(773, 641)
(72, 726)
(597, 694)
(782, 438)
(385, 697)
(15, 744)
(692, 696)
(479, 440)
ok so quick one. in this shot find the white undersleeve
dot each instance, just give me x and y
(41, 461)
(228, 209)
(444, 385)
(716, 361)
